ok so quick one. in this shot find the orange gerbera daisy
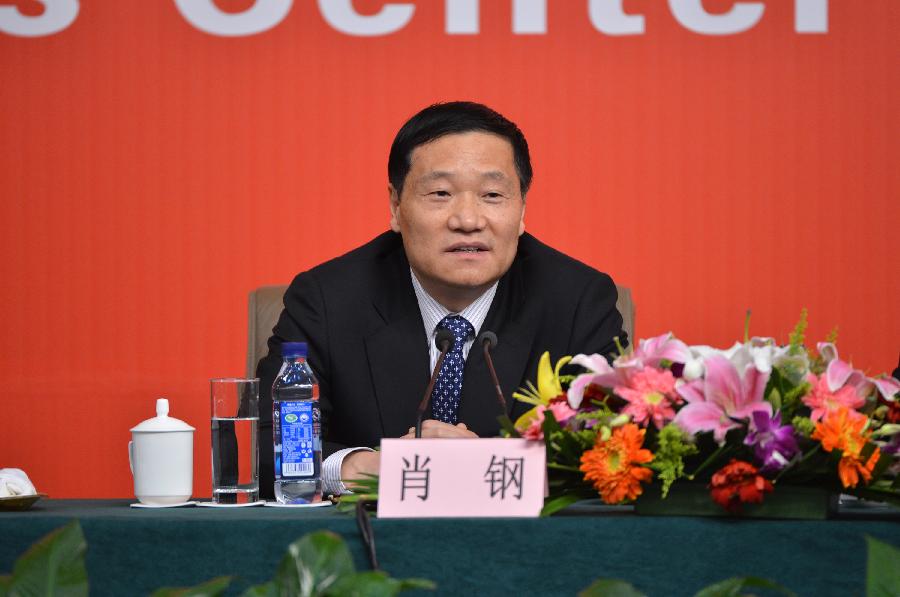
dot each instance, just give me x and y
(851, 468)
(842, 430)
(614, 465)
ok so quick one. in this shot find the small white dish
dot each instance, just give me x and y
(178, 505)
(321, 504)
(215, 505)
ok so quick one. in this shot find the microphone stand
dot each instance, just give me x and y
(488, 340)
(444, 341)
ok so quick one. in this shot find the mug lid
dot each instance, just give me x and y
(162, 422)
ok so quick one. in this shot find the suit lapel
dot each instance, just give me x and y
(479, 408)
(397, 350)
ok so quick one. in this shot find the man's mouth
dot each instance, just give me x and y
(468, 248)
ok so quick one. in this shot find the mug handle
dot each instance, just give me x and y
(131, 457)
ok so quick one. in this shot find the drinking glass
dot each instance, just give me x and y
(235, 454)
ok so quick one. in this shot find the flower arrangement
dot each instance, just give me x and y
(743, 421)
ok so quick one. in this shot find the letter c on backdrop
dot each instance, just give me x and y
(341, 15)
(692, 15)
(58, 14)
(207, 17)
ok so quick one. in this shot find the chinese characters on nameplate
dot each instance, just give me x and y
(461, 477)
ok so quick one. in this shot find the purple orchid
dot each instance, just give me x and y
(722, 398)
(773, 443)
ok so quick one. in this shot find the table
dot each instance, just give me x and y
(133, 552)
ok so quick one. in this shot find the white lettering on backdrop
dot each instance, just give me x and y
(57, 15)
(529, 17)
(341, 15)
(206, 16)
(609, 17)
(692, 15)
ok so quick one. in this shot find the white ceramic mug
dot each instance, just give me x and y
(161, 456)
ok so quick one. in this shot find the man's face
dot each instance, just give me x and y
(460, 214)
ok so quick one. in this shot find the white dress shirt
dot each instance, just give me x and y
(432, 314)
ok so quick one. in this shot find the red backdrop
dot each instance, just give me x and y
(152, 174)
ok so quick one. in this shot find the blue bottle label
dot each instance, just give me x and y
(297, 439)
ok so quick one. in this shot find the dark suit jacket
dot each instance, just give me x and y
(369, 350)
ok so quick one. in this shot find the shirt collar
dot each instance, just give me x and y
(433, 312)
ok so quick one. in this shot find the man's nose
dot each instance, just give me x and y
(466, 213)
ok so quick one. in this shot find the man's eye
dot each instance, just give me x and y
(493, 197)
(439, 193)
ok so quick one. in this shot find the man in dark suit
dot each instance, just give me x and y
(456, 258)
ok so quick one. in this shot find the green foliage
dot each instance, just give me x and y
(364, 490)
(507, 427)
(883, 569)
(52, 566)
(376, 584)
(316, 565)
(794, 369)
(787, 387)
(556, 504)
(803, 425)
(882, 579)
(792, 397)
(606, 587)
(798, 336)
(211, 588)
(668, 460)
(733, 587)
(319, 564)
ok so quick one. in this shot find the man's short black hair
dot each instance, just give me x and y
(455, 117)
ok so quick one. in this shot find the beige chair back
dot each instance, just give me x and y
(266, 303)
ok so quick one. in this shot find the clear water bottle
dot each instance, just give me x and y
(297, 429)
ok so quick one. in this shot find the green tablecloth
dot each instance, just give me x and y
(132, 552)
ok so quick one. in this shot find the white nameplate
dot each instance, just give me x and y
(427, 478)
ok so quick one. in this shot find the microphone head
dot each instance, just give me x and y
(488, 338)
(444, 340)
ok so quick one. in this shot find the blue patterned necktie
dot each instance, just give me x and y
(448, 387)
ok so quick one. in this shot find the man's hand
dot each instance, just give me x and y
(432, 428)
(358, 463)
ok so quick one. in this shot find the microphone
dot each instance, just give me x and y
(444, 341)
(488, 341)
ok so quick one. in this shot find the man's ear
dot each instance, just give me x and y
(394, 199)
(522, 219)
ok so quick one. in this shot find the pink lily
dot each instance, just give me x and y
(714, 402)
(600, 373)
(840, 373)
(650, 353)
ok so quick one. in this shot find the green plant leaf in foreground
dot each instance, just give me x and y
(883, 569)
(732, 587)
(556, 504)
(52, 566)
(365, 489)
(313, 564)
(375, 584)
(607, 587)
(319, 565)
(211, 588)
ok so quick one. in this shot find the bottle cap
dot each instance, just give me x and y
(290, 350)
(162, 422)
